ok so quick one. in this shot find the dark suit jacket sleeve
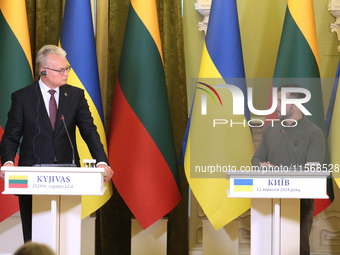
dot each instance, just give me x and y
(260, 154)
(88, 131)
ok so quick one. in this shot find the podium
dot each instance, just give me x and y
(56, 207)
(275, 205)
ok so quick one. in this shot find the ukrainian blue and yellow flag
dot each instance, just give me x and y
(332, 124)
(211, 150)
(77, 39)
(243, 185)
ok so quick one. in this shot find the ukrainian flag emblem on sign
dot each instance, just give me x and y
(18, 181)
(245, 185)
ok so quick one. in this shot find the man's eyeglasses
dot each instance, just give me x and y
(60, 71)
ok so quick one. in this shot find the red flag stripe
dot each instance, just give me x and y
(142, 177)
(10, 201)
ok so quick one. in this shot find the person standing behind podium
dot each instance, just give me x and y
(292, 146)
(34, 123)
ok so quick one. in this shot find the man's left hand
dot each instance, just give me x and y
(108, 171)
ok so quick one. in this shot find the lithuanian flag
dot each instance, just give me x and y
(18, 181)
(298, 62)
(77, 39)
(141, 145)
(15, 72)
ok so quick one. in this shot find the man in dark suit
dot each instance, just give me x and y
(34, 123)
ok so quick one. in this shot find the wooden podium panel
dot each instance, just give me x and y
(275, 205)
(56, 208)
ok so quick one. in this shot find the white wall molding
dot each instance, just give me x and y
(334, 9)
(203, 7)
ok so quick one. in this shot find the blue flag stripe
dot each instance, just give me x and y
(243, 182)
(77, 39)
(222, 48)
(220, 45)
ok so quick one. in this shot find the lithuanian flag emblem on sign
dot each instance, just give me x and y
(18, 181)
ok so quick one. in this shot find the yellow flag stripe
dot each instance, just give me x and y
(207, 68)
(334, 138)
(15, 15)
(149, 17)
(18, 177)
(243, 188)
(302, 12)
(219, 209)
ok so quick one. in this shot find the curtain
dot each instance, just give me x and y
(113, 224)
(44, 23)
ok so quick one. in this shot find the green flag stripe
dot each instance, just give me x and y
(18, 181)
(296, 60)
(15, 71)
(295, 57)
(142, 80)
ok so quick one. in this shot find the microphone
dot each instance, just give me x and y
(69, 138)
(297, 155)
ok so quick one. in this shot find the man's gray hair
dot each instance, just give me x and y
(47, 50)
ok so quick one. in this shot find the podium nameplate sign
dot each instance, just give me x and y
(290, 184)
(275, 205)
(57, 195)
(54, 180)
